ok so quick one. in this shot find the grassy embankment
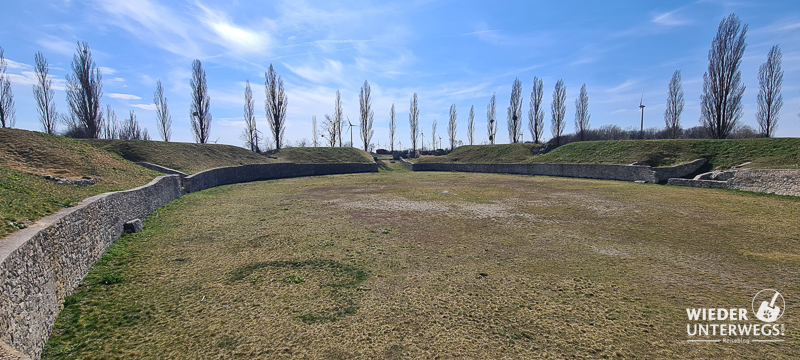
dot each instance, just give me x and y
(26, 156)
(191, 158)
(418, 265)
(763, 153)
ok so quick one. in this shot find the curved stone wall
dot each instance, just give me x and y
(590, 171)
(41, 265)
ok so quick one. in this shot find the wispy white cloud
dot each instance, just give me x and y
(151, 107)
(52, 44)
(106, 70)
(123, 96)
(234, 37)
(669, 19)
(329, 71)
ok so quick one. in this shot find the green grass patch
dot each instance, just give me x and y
(721, 154)
(502, 153)
(775, 153)
(412, 265)
(319, 155)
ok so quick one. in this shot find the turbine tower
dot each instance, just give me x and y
(641, 126)
(350, 129)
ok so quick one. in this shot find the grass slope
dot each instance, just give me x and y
(26, 155)
(503, 153)
(191, 158)
(763, 153)
(186, 157)
(316, 155)
(404, 265)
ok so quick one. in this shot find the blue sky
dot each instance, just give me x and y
(449, 52)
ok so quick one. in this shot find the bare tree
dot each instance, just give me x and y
(536, 111)
(515, 112)
(110, 125)
(330, 128)
(367, 115)
(433, 134)
(44, 94)
(314, 134)
(491, 121)
(130, 130)
(164, 120)
(582, 113)
(471, 124)
(675, 103)
(451, 126)
(250, 132)
(275, 106)
(413, 122)
(7, 114)
(558, 110)
(721, 100)
(84, 90)
(200, 112)
(770, 100)
(338, 118)
(392, 127)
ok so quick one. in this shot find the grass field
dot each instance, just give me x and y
(435, 265)
(783, 153)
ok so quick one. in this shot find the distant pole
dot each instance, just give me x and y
(641, 126)
(423, 140)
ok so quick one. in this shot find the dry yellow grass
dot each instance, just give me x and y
(436, 265)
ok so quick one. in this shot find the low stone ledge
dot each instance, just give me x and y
(161, 169)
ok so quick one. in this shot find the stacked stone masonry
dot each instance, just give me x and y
(641, 173)
(780, 182)
(41, 265)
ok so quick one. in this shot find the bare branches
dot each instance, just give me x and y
(582, 113)
(275, 106)
(314, 134)
(367, 115)
(110, 125)
(163, 119)
(451, 126)
(43, 93)
(721, 100)
(433, 135)
(250, 132)
(413, 122)
(515, 112)
(558, 109)
(392, 127)
(471, 124)
(770, 100)
(536, 112)
(675, 103)
(199, 111)
(84, 89)
(491, 123)
(338, 117)
(130, 129)
(7, 114)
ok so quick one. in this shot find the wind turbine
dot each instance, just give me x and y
(350, 129)
(641, 126)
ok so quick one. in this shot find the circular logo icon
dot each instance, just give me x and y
(768, 305)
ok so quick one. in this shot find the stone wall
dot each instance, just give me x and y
(591, 171)
(776, 181)
(42, 264)
(255, 172)
(161, 169)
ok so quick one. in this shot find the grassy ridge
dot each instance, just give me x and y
(312, 155)
(187, 157)
(25, 196)
(191, 158)
(763, 153)
(503, 153)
